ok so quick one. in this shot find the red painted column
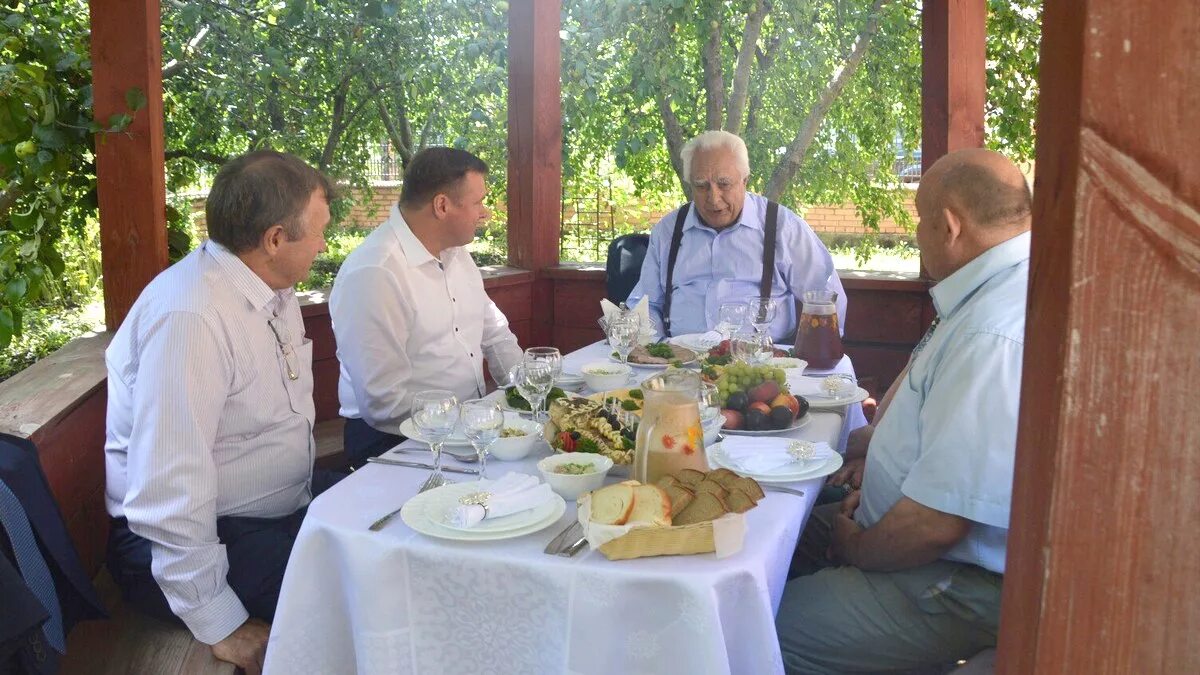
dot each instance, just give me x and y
(127, 55)
(953, 76)
(535, 149)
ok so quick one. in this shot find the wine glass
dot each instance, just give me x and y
(623, 335)
(710, 403)
(435, 415)
(533, 380)
(752, 348)
(549, 355)
(762, 313)
(731, 318)
(482, 423)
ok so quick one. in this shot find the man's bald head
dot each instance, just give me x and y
(969, 201)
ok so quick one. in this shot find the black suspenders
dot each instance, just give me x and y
(764, 285)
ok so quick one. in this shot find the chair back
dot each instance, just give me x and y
(624, 265)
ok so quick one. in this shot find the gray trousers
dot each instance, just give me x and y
(845, 620)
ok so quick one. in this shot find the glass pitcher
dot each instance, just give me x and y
(670, 437)
(818, 338)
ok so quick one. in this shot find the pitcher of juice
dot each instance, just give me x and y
(818, 338)
(670, 436)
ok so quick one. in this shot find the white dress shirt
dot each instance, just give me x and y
(407, 321)
(949, 437)
(209, 415)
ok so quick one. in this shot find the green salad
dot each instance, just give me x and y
(517, 402)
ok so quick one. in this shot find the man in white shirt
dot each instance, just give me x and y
(209, 454)
(920, 550)
(408, 306)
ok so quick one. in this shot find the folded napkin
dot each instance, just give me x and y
(648, 332)
(513, 493)
(810, 386)
(770, 454)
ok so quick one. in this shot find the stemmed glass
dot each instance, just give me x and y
(435, 415)
(731, 318)
(622, 335)
(752, 348)
(482, 423)
(710, 402)
(550, 355)
(762, 312)
(533, 380)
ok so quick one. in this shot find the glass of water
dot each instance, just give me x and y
(533, 380)
(482, 422)
(550, 355)
(623, 335)
(762, 313)
(435, 415)
(731, 318)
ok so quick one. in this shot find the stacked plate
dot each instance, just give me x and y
(427, 513)
(810, 388)
(799, 470)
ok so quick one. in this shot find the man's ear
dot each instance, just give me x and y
(440, 204)
(273, 239)
(954, 224)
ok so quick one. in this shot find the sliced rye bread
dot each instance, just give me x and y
(650, 505)
(680, 498)
(668, 481)
(612, 504)
(690, 477)
(739, 502)
(723, 476)
(705, 507)
(710, 486)
(751, 487)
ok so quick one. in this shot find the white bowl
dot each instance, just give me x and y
(788, 362)
(712, 428)
(571, 486)
(605, 375)
(516, 447)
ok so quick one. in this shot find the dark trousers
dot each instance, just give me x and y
(257, 550)
(360, 441)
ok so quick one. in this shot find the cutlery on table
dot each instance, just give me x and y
(575, 547)
(556, 544)
(421, 465)
(780, 488)
(471, 457)
(435, 480)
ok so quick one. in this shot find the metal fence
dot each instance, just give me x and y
(588, 224)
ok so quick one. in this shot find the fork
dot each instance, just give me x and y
(435, 480)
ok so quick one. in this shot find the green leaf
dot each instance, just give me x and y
(7, 327)
(119, 122)
(135, 99)
(15, 290)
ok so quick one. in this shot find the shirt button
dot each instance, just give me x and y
(456, 329)
(472, 353)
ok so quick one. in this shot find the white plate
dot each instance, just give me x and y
(770, 432)
(415, 515)
(652, 366)
(718, 460)
(438, 507)
(409, 430)
(818, 402)
(697, 342)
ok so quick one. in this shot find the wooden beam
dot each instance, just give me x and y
(535, 148)
(127, 55)
(953, 76)
(1102, 552)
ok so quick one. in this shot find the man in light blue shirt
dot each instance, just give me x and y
(720, 257)
(922, 545)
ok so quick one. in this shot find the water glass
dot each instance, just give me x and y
(533, 380)
(731, 318)
(752, 348)
(482, 422)
(549, 355)
(435, 415)
(710, 403)
(762, 313)
(623, 336)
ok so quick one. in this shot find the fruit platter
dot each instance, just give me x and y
(756, 400)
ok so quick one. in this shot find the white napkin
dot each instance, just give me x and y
(513, 493)
(811, 387)
(648, 333)
(769, 454)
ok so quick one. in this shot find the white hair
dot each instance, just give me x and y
(711, 140)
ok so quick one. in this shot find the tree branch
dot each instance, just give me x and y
(674, 133)
(198, 155)
(789, 165)
(174, 66)
(741, 72)
(766, 59)
(8, 198)
(714, 76)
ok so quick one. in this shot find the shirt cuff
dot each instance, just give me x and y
(214, 621)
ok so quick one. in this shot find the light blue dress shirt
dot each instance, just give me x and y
(726, 266)
(949, 437)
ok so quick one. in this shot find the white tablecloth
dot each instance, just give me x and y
(396, 601)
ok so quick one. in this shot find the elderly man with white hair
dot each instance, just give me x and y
(717, 252)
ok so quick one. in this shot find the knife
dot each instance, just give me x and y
(420, 465)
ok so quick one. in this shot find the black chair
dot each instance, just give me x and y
(624, 266)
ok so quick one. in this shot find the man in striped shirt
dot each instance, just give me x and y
(209, 454)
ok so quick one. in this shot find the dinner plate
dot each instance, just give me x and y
(717, 459)
(415, 516)
(697, 342)
(651, 366)
(409, 430)
(809, 387)
(799, 422)
(499, 397)
(443, 499)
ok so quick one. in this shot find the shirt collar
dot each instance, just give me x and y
(753, 214)
(242, 277)
(414, 251)
(952, 291)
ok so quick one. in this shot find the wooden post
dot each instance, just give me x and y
(953, 76)
(127, 55)
(535, 149)
(1103, 552)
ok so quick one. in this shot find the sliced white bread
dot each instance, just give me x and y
(650, 505)
(612, 504)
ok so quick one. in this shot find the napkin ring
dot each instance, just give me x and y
(801, 450)
(476, 499)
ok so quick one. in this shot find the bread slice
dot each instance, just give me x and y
(650, 505)
(724, 476)
(710, 486)
(739, 502)
(751, 487)
(612, 504)
(706, 506)
(690, 476)
(669, 481)
(680, 498)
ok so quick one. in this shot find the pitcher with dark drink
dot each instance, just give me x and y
(818, 337)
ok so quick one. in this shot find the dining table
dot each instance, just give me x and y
(394, 600)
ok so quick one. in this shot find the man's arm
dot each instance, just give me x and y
(499, 345)
(182, 382)
(908, 535)
(372, 342)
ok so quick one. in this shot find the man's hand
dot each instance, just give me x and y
(245, 647)
(858, 441)
(850, 474)
(850, 503)
(844, 539)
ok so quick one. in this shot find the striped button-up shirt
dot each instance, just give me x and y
(210, 414)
